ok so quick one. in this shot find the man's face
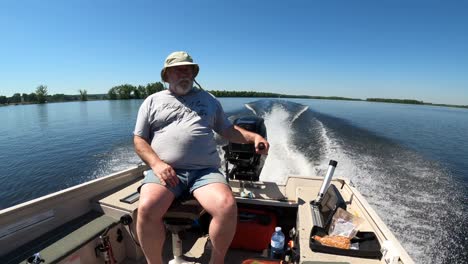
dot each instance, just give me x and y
(180, 79)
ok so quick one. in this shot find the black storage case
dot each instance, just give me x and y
(331, 201)
(369, 246)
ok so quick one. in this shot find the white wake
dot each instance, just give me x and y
(283, 159)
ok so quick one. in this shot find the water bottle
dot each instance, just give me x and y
(277, 244)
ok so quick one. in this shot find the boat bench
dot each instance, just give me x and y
(64, 240)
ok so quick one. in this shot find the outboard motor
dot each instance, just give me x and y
(246, 164)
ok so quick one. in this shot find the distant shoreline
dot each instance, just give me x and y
(240, 94)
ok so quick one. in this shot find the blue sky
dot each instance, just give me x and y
(360, 49)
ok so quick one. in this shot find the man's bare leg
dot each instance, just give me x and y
(218, 201)
(154, 201)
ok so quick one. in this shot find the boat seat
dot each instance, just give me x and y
(64, 240)
(179, 217)
(188, 209)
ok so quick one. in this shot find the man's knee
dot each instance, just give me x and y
(148, 210)
(227, 205)
(154, 204)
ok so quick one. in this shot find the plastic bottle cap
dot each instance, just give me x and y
(278, 228)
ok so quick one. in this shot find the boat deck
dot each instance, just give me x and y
(300, 192)
(290, 203)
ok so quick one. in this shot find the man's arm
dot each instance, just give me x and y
(161, 169)
(237, 134)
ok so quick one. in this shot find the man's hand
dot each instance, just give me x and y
(240, 135)
(166, 174)
(261, 145)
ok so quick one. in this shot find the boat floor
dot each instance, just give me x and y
(196, 248)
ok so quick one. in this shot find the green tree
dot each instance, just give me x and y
(125, 91)
(142, 91)
(32, 97)
(136, 93)
(83, 95)
(41, 92)
(112, 93)
(56, 98)
(25, 97)
(16, 98)
(152, 88)
(128, 91)
(3, 99)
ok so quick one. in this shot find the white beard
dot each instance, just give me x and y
(182, 86)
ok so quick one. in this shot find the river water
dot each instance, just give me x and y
(409, 161)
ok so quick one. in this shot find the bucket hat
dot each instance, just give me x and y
(178, 58)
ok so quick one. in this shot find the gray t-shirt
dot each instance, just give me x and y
(180, 128)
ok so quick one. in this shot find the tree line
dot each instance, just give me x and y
(128, 91)
(398, 101)
(218, 93)
(120, 92)
(411, 101)
(40, 96)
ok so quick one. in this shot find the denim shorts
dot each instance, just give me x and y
(189, 180)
